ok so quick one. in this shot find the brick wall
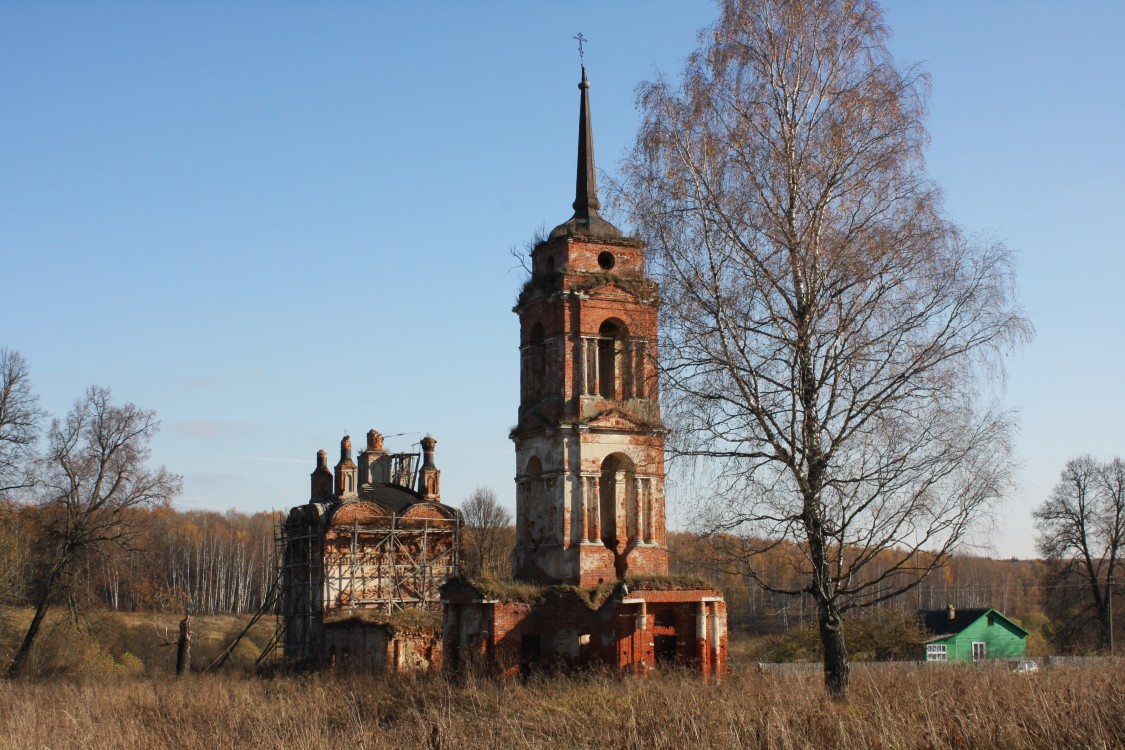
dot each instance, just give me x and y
(637, 633)
(377, 648)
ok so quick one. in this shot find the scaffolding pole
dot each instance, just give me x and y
(387, 567)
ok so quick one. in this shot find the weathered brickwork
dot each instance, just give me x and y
(636, 632)
(367, 543)
(589, 446)
(589, 442)
(357, 645)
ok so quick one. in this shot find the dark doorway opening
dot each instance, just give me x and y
(664, 649)
(530, 655)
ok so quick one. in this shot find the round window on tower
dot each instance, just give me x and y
(606, 260)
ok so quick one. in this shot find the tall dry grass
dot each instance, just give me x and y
(920, 708)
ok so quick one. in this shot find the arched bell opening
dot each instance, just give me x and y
(611, 359)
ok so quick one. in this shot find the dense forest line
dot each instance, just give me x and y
(1011, 586)
(1051, 598)
(224, 563)
(201, 561)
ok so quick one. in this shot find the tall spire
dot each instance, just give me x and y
(586, 220)
(586, 185)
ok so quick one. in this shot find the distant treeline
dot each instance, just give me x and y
(224, 563)
(208, 562)
(219, 563)
(1050, 598)
(1011, 586)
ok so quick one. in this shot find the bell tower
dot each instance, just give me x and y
(589, 441)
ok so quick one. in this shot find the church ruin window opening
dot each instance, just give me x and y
(611, 348)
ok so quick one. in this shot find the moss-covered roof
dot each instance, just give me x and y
(407, 618)
(594, 597)
(669, 583)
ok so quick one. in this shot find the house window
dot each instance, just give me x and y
(980, 650)
(935, 652)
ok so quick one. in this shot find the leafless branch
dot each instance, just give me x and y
(827, 332)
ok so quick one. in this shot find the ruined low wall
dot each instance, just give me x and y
(380, 648)
(635, 632)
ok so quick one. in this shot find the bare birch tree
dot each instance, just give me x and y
(19, 430)
(829, 338)
(1082, 529)
(94, 476)
(19, 423)
(488, 534)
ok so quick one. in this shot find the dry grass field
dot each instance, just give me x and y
(108, 685)
(113, 644)
(938, 708)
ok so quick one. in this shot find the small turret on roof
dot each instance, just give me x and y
(346, 474)
(429, 478)
(321, 479)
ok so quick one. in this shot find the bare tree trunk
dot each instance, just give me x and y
(19, 661)
(1101, 609)
(828, 614)
(835, 654)
(183, 647)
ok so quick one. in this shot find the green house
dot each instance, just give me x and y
(963, 635)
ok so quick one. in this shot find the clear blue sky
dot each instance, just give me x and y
(276, 221)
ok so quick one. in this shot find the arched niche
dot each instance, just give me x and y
(534, 468)
(615, 486)
(362, 512)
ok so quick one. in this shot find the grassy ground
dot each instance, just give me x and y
(108, 644)
(109, 685)
(958, 707)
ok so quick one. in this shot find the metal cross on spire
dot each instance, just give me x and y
(581, 52)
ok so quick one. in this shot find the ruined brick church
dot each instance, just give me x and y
(363, 561)
(590, 523)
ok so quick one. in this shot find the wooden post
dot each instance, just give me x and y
(183, 647)
(1109, 598)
